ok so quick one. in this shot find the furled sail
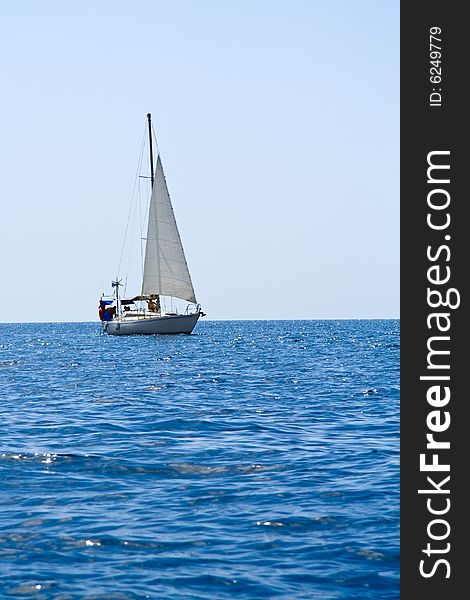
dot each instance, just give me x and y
(165, 268)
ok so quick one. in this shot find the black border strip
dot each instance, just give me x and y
(430, 124)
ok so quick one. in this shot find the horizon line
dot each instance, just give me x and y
(217, 320)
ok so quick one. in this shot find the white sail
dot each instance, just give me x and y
(165, 269)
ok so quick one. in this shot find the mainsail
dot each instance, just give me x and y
(165, 269)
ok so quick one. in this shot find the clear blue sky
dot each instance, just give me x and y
(278, 124)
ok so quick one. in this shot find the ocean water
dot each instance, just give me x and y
(253, 459)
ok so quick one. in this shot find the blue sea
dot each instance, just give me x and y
(251, 459)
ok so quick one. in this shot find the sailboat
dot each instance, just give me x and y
(165, 273)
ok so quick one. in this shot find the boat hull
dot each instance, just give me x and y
(167, 324)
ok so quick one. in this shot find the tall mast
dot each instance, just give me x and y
(152, 179)
(149, 117)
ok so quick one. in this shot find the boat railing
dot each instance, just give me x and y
(142, 313)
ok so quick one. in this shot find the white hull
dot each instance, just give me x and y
(167, 324)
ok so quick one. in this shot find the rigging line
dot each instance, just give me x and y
(133, 238)
(142, 224)
(155, 140)
(143, 221)
(141, 231)
(136, 178)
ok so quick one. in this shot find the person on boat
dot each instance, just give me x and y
(105, 311)
(102, 311)
(153, 305)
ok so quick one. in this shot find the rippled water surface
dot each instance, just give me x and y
(254, 459)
